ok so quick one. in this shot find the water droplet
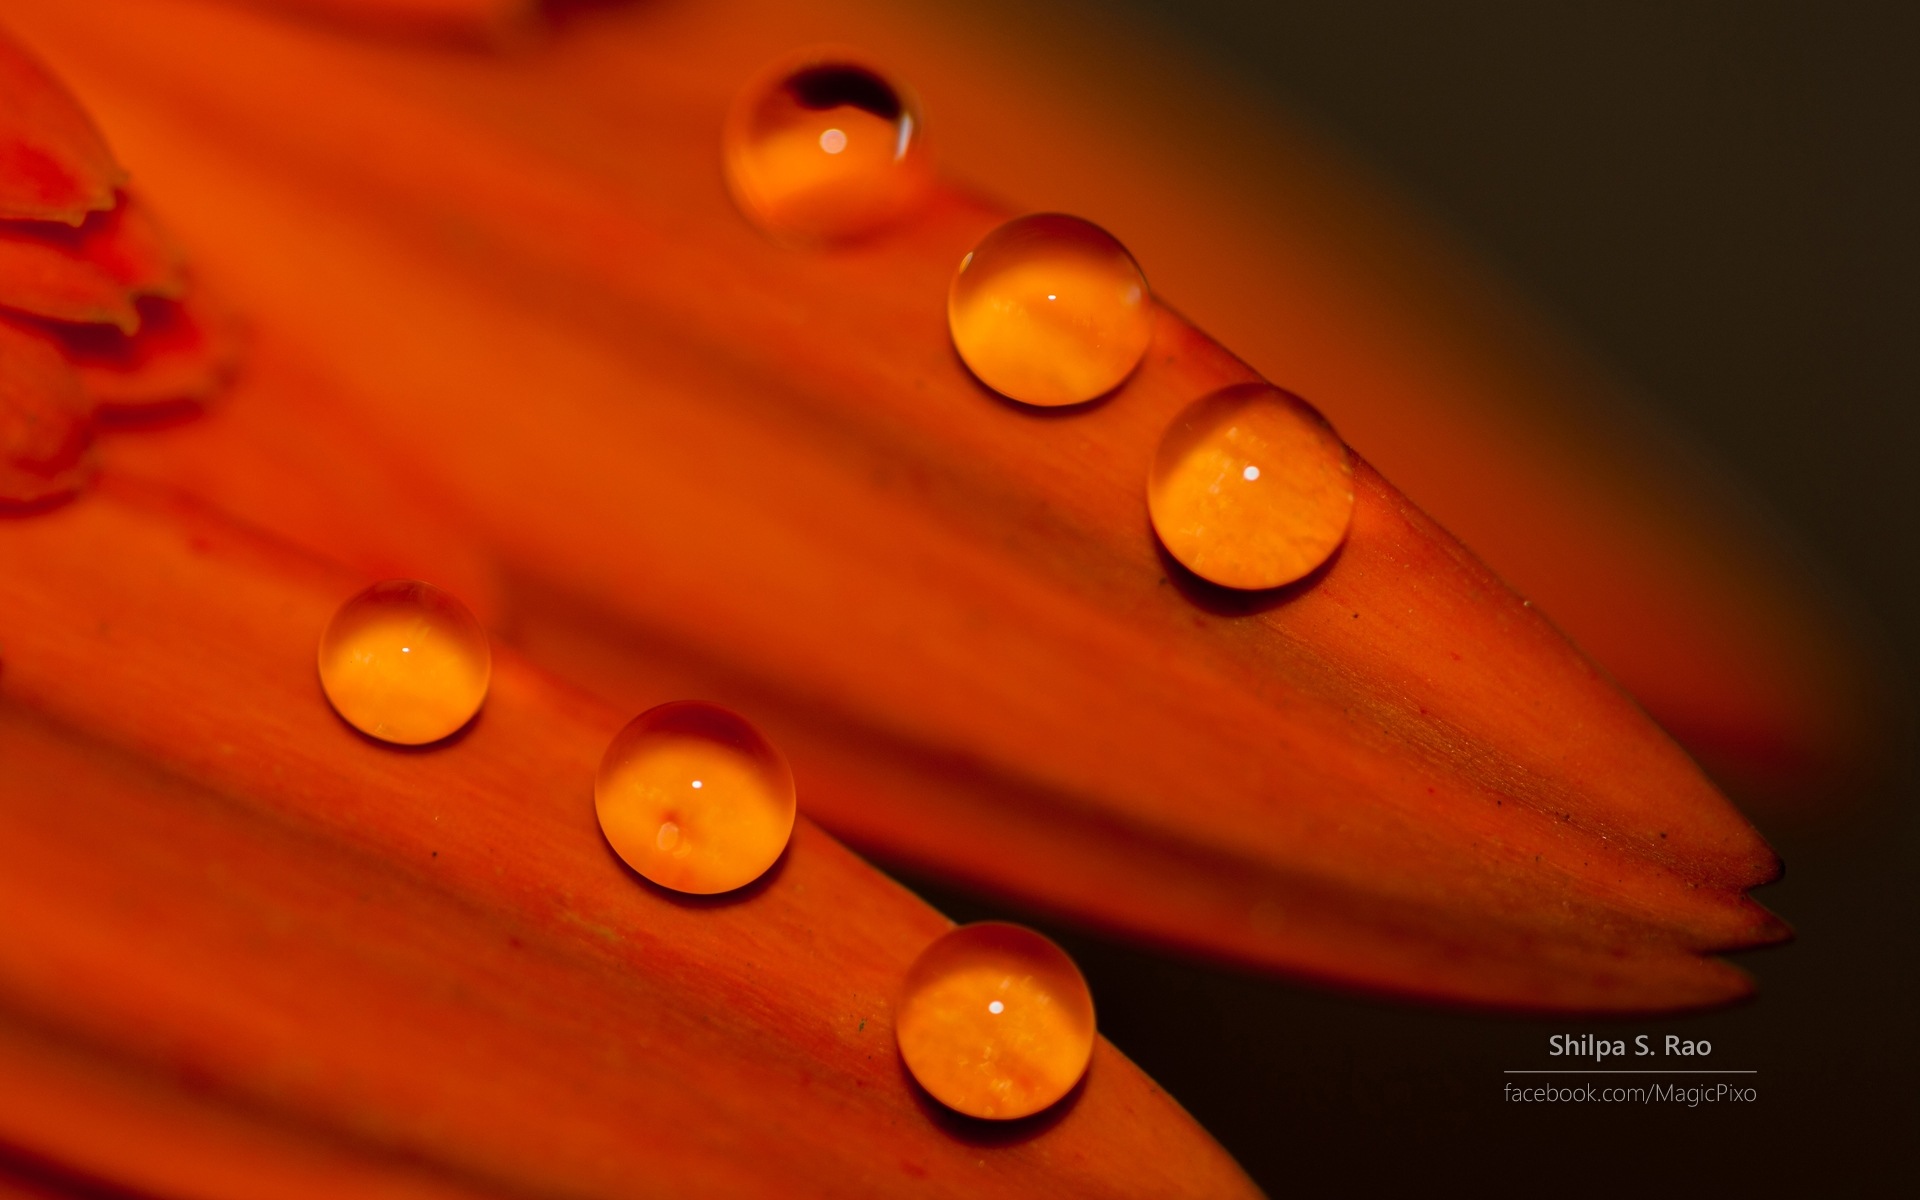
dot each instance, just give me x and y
(405, 662)
(995, 1021)
(1205, 504)
(824, 147)
(1049, 310)
(723, 838)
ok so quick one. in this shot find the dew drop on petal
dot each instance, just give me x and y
(1250, 487)
(995, 1021)
(405, 662)
(824, 147)
(695, 798)
(1050, 310)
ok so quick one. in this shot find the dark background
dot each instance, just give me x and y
(1722, 201)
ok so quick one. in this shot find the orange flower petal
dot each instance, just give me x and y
(92, 273)
(53, 164)
(251, 953)
(716, 467)
(285, 453)
(184, 353)
(1294, 255)
(46, 439)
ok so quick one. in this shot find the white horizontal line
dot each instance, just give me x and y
(1630, 1072)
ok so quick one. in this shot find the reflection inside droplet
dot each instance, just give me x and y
(374, 679)
(1049, 310)
(724, 838)
(1239, 536)
(995, 1021)
(824, 147)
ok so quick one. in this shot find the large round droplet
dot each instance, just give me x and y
(1050, 310)
(824, 147)
(695, 798)
(1251, 488)
(405, 662)
(995, 1021)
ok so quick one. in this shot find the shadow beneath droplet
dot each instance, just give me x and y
(978, 1131)
(1233, 602)
(739, 895)
(453, 739)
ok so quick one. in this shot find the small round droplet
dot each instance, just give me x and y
(1251, 488)
(995, 1021)
(1050, 310)
(695, 798)
(405, 662)
(824, 148)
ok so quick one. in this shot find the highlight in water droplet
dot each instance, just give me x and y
(695, 798)
(1251, 488)
(1050, 310)
(824, 147)
(995, 1021)
(405, 662)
